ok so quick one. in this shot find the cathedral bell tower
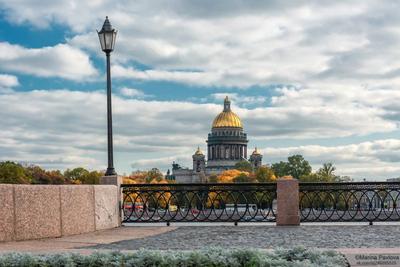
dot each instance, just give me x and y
(199, 161)
(256, 159)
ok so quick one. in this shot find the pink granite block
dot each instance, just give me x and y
(37, 211)
(288, 202)
(106, 206)
(6, 212)
(77, 209)
(111, 180)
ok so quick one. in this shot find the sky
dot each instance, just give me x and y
(317, 78)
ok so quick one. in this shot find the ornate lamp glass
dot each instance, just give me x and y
(107, 36)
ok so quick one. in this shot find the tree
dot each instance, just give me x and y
(327, 169)
(82, 176)
(310, 178)
(76, 173)
(265, 174)
(327, 173)
(212, 178)
(55, 177)
(281, 168)
(13, 173)
(244, 178)
(154, 174)
(228, 175)
(137, 177)
(244, 165)
(92, 177)
(38, 175)
(298, 166)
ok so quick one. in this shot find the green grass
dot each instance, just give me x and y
(216, 257)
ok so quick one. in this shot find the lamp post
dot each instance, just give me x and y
(107, 36)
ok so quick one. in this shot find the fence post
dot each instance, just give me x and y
(288, 201)
(115, 180)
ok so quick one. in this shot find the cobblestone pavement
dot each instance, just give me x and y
(266, 237)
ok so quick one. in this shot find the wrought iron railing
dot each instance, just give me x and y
(199, 202)
(346, 202)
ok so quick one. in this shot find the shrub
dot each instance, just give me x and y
(216, 257)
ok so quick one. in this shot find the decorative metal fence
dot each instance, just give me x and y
(199, 202)
(347, 202)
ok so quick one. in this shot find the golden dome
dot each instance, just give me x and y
(256, 152)
(198, 151)
(227, 118)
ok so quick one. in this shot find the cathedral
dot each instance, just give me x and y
(226, 146)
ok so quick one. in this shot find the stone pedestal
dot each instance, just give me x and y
(288, 202)
(115, 180)
(112, 179)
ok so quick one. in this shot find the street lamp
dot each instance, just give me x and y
(107, 36)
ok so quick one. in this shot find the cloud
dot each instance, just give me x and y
(241, 100)
(61, 128)
(132, 92)
(61, 61)
(335, 65)
(7, 82)
(187, 77)
(301, 43)
(374, 160)
(236, 43)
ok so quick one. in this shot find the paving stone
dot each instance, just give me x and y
(267, 237)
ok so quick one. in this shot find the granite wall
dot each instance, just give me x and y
(41, 211)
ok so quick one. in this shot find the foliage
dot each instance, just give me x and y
(13, 173)
(244, 165)
(212, 178)
(41, 176)
(325, 174)
(207, 257)
(229, 175)
(265, 174)
(82, 176)
(244, 178)
(154, 174)
(296, 166)
(280, 169)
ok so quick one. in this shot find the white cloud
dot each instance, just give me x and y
(7, 82)
(50, 127)
(374, 160)
(61, 60)
(340, 58)
(236, 43)
(188, 77)
(241, 100)
(132, 92)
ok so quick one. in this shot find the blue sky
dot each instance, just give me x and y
(309, 77)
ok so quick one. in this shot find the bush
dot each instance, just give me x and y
(209, 257)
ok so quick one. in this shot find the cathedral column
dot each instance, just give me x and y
(245, 151)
